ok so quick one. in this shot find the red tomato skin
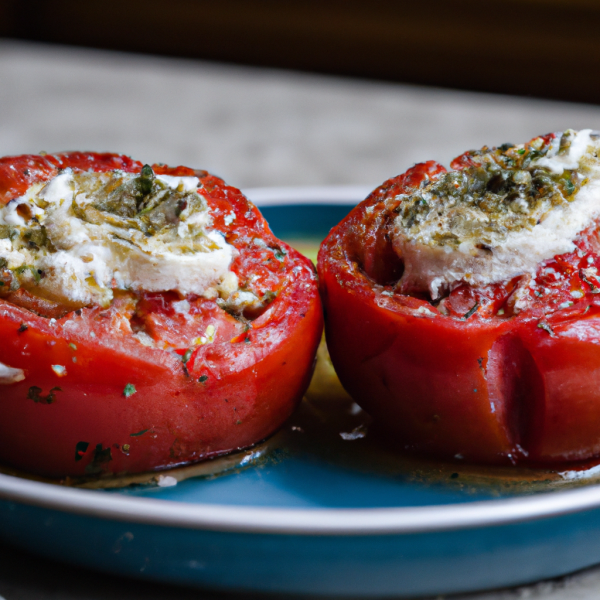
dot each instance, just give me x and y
(185, 420)
(486, 390)
(229, 396)
(567, 415)
(17, 173)
(421, 380)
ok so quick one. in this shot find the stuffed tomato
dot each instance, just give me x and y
(463, 305)
(148, 317)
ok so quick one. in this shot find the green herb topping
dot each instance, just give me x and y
(142, 432)
(129, 390)
(501, 190)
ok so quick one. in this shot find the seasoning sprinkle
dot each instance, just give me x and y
(471, 312)
(129, 390)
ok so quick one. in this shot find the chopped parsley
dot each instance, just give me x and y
(29, 268)
(142, 432)
(499, 190)
(129, 390)
(280, 253)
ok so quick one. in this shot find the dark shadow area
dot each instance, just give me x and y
(25, 576)
(543, 48)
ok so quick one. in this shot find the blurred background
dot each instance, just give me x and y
(282, 92)
(288, 93)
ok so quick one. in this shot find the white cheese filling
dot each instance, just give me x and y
(436, 267)
(87, 257)
(10, 375)
(557, 163)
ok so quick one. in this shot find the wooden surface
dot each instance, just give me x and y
(543, 48)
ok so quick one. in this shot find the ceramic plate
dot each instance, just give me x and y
(322, 507)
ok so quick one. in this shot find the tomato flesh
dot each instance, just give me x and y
(504, 373)
(97, 400)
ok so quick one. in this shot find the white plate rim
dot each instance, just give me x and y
(291, 521)
(335, 194)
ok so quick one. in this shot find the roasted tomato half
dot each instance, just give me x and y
(463, 308)
(148, 317)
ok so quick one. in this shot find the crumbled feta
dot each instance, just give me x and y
(210, 334)
(10, 375)
(59, 370)
(454, 242)
(558, 163)
(242, 299)
(582, 474)
(78, 247)
(356, 434)
(208, 337)
(166, 481)
(183, 184)
(182, 307)
(144, 339)
(229, 284)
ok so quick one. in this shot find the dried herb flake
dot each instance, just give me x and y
(142, 432)
(101, 457)
(129, 390)
(471, 312)
(546, 327)
(35, 394)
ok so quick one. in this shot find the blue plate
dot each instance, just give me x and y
(321, 508)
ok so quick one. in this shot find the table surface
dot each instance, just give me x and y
(255, 128)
